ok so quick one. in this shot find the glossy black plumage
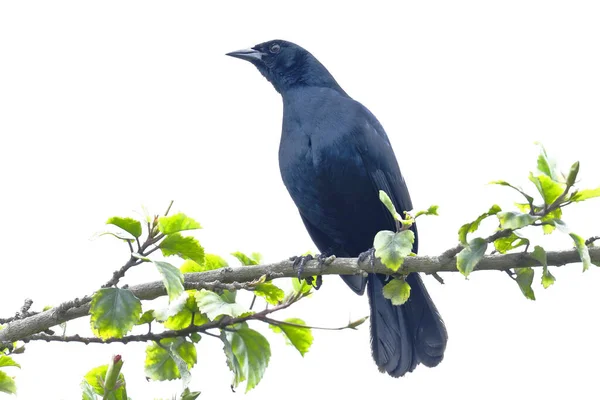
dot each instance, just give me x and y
(334, 157)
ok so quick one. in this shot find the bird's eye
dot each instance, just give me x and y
(274, 48)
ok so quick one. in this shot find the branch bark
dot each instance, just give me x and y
(22, 328)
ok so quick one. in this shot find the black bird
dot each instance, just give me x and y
(334, 157)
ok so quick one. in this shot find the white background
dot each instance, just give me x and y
(108, 106)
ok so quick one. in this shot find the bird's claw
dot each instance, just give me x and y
(368, 255)
(300, 262)
(322, 261)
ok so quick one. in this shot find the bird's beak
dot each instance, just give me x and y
(247, 54)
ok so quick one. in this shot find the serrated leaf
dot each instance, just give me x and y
(505, 244)
(95, 378)
(6, 361)
(244, 259)
(176, 305)
(393, 247)
(185, 247)
(271, 293)
(248, 354)
(387, 202)
(573, 174)
(583, 250)
(113, 312)
(300, 338)
(432, 210)
(183, 318)
(177, 223)
(214, 305)
(469, 257)
(87, 391)
(540, 254)
(397, 290)
(524, 280)
(474, 225)
(181, 364)
(585, 194)
(129, 225)
(515, 220)
(548, 188)
(172, 279)
(160, 365)
(518, 189)
(7, 384)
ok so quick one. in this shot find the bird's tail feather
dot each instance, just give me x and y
(404, 336)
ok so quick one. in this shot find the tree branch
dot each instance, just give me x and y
(22, 328)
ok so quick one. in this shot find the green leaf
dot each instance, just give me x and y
(301, 286)
(511, 242)
(6, 361)
(185, 247)
(114, 312)
(518, 189)
(545, 165)
(515, 220)
(548, 188)
(177, 223)
(560, 224)
(244, 259)
(183, 318)
(540, 254)
(583, 250)
(160, 365)
(188, 395)
(555, 214)
(181, 364)
(585, 194)
(300, 338)
(7, 384)
(432, 210)
(271, 293)
(214, 305)
(473, 226)
(146, 318)
(357, 323)
(525, 279)
(470, 256)
(387, 202)
(129, 225)
(87, 391)
(211, 261)
(248, 354)
(172, 279)
(195, 337)
(95, 378)
(392, 247)
(397, 290)
(573, 174)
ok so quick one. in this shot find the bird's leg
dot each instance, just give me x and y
(368, 255)
(300, 262)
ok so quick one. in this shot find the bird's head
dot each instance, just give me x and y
(287, 65)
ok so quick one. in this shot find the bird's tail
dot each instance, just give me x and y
(404, 336)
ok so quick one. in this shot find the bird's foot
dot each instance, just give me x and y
(368, 256)
(300, 262)
(322, 261)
